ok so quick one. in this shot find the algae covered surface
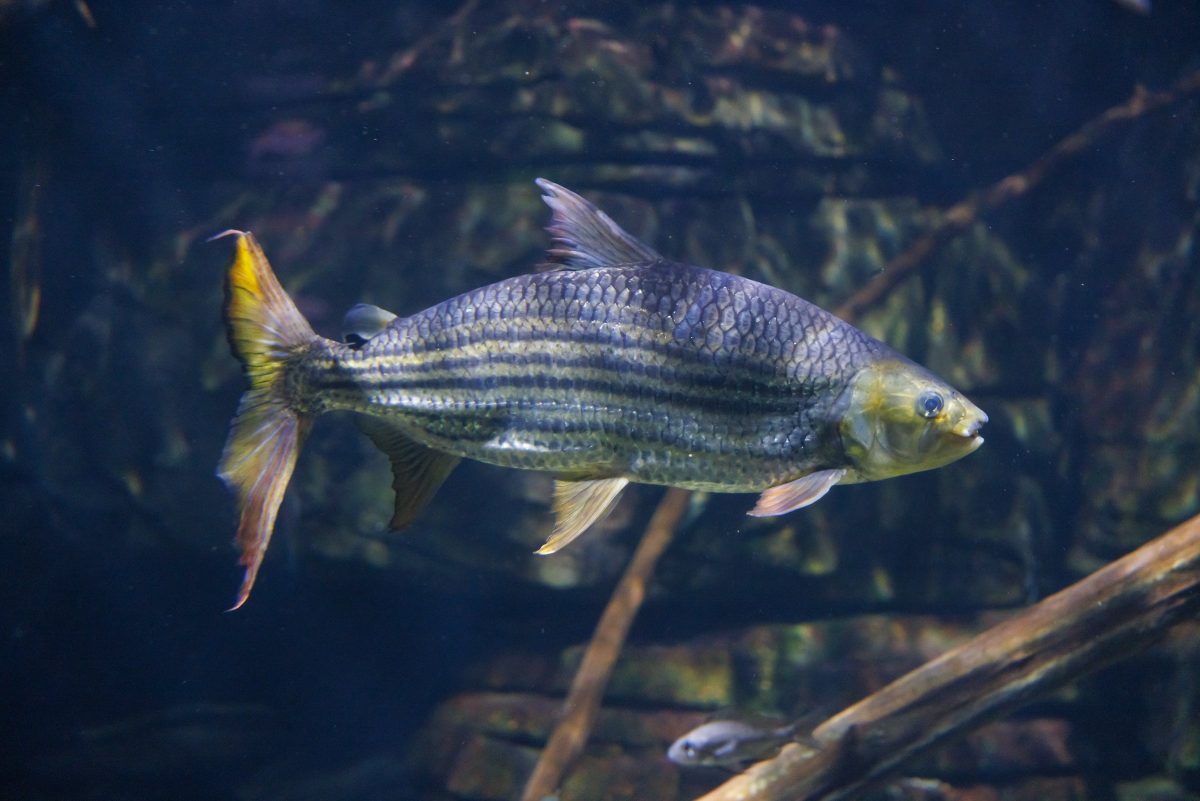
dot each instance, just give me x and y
(384, 152)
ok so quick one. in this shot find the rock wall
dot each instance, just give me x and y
(386, 155)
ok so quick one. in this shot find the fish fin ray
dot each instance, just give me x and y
(265, 330)
(258, 462)
(584, 237)
(796, 494)
(578, 505)
(263, 324)
(417, 470)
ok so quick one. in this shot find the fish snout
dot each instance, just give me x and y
(971, 421)
(970, 426)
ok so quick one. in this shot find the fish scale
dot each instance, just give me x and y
(591, 399)
(614, 365)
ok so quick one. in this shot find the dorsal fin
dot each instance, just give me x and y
(584, 237)
(362, 322)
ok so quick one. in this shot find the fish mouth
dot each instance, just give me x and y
(973, 423)
(970, 431)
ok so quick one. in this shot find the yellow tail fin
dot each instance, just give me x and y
(266, 331)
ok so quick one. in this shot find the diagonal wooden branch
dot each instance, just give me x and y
(821, 773)
(1112, 613)
(962, 214)
(587, 689)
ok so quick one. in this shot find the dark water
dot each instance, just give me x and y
(384, 152)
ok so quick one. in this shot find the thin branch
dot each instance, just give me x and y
(964, 213)
(583, 700)
(403, 61)
(1113, 613)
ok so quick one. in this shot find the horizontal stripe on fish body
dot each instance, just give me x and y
(574, 411)
(707, 315)
(571, 415)
(630, 364)
(565, 446)
(511, 381)
(551, 421)
(654, 439)
(656, 371)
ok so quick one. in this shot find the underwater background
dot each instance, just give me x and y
(385, 152)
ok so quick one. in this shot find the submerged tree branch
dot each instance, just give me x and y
(1112, 613)
(1123, 606)
(403, 61)
(964, 213)
(587, 689)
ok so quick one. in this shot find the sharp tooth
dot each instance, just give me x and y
(970, 429)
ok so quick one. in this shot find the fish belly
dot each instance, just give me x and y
(602, 373)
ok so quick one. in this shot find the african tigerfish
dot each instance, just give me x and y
(613, 365)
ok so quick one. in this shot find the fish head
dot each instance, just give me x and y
(686, 752)
(722, 742)
(701, 745)
(900, 418)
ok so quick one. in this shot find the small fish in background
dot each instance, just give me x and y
(292, 146)
(728, 743)
(915, 788)
(613, 364)
(288, 139)
(1136, 6)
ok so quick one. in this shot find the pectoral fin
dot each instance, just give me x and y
(417, 470)
(578, 505)
(796, 494)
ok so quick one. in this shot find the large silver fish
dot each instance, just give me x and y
(614, 365)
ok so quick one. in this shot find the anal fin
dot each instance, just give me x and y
(417, 470)
(578, 505)
(796, 494)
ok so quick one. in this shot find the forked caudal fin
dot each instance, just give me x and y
(265, 330)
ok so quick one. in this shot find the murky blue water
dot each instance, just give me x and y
(385, 152)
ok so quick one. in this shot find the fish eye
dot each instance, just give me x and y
(689, 750)
(929, 404)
